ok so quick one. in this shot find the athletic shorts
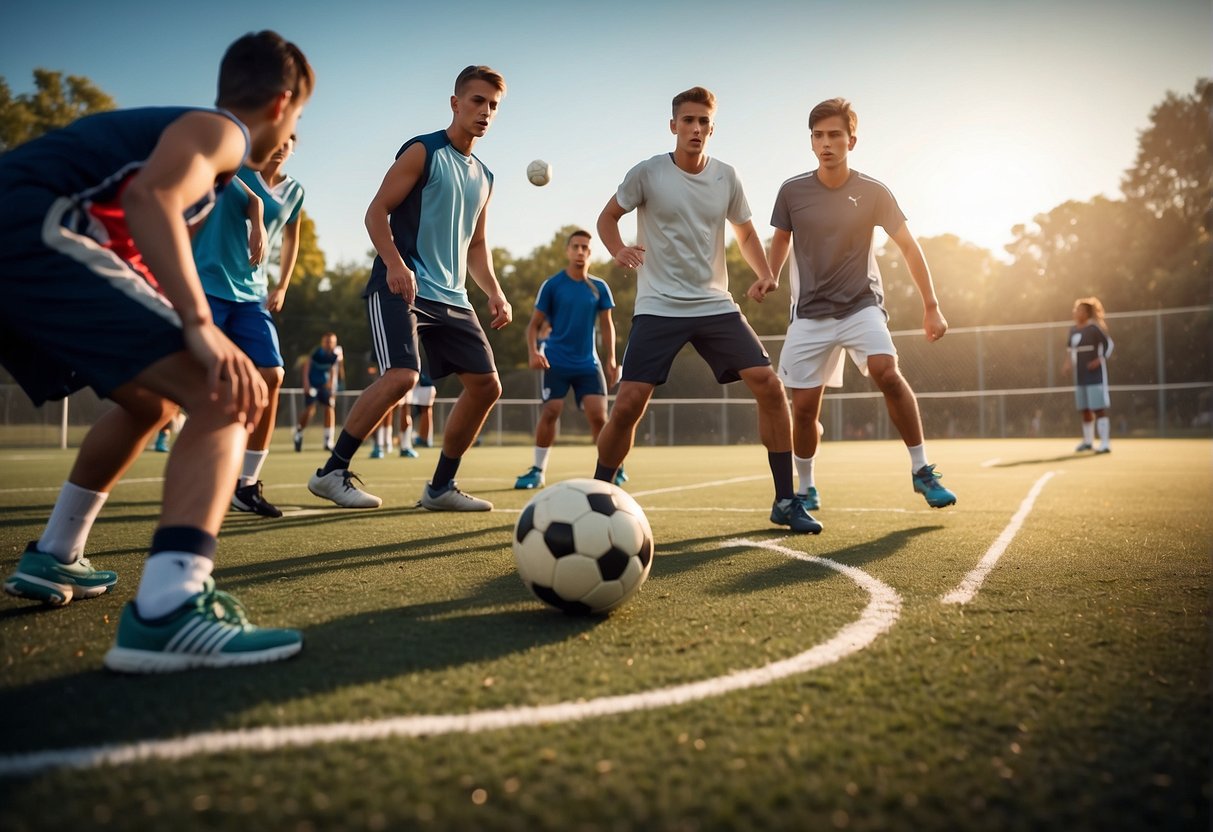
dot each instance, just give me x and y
(74, 314)
(726, 342)
(249, 325)
(556, 383)
(453, 339)
(1092, 397)
(812, 353)
(423, 396)
(321, 393)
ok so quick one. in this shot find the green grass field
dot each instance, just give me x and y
(1071, 692)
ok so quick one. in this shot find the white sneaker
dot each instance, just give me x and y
(452, 499)
(339, 487)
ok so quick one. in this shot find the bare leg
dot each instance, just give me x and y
(774, 423)
(595, 410)
(898, 397)
(480, 393)
(618, 435)
(806, 415)
(259, 439)
(549, 418)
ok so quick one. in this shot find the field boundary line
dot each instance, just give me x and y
(972, 582)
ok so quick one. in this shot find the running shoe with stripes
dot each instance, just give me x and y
(209, 630)
(338, 486)
(43, 577)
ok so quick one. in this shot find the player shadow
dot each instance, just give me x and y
(1070, 457)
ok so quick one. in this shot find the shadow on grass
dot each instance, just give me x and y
(1071, 457)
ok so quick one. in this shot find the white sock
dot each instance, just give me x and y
(1088, 432)
(380, 437)
(406, 439)
(71, 520)
(1104, 426)
(804, 472)
(251, 472)
(541, 457)
(918, 457)
(169, 580)
(328, 436)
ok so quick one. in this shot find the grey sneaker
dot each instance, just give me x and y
(451, 499)
(339, 487)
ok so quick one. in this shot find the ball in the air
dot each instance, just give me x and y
(539, 172)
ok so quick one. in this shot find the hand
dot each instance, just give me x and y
(231, 377)
(401, 281)
(934, 324)
(762, 287)
(538, 361)
(1093, 364)
(256, 243)
(630, 257)
(275, 300)
(611, 371)
(501, 311)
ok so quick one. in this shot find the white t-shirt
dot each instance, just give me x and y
(681, 225)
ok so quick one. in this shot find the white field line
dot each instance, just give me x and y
(990, 463)
(881, 612)
(711, 484)
(134, 481)
(972, 582)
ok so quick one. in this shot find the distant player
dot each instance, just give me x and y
(1088, 348)
(231, 265)
(571, 301)
(424, 396)
(427, 224)
(321, 372)
(682, 293)
(100, 290)
(828, 217)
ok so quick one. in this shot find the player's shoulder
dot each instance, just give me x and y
(871, 182)
(800, 180)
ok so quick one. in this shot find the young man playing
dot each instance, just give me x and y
(321, 372)
(97, 220)
(571, 301)
(827, 217)
(427, 224)
(682, 294)
(230, 252)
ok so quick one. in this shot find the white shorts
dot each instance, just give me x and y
(424, 396)
(812, 352)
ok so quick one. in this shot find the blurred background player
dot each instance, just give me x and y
(100, 290)
(322, 371)
(568, 304)
(1089, 346)
(424, 395)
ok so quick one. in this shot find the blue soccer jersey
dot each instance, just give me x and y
(320, 369)
(572, 307)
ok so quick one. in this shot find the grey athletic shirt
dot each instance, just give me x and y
(834, 272)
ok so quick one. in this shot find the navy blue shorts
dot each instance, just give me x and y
(74, 314)
(249, 325)
(556, 383)
(726, 342)
(319, 393)
(453, 339)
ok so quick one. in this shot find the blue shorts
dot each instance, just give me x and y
(249, 325)
(556, 383)
(318, 393)
(726, 342)
(1092, 397)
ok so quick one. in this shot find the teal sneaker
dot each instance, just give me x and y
(531, 479)
(620, 476)
(208, 630)
(809, 499)
(926, 483)
(43, 577)
(377, 452)
(161, 445)
(409, 453)
(791, 512)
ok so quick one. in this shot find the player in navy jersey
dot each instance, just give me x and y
(827, 218)
(230, 251)
(1088, 347)
(100, 290)
(322, 371)
(427, 224)
(570, 301)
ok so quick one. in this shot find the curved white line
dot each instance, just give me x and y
(880, 614)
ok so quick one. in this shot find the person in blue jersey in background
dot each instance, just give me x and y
(570, 302)
(231, 251)
(1088, 347)
(100, 290)
(322, 373)
(427, 223)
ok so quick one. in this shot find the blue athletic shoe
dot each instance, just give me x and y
(161, 445)
(791, 512)
(531, 479)
(809, 499)
(376, 452)
(620, 476)
(408, 453)
(926, 483)
(43, 577)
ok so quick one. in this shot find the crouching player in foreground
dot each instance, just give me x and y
(97, 221)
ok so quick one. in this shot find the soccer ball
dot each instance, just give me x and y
(539, 172)
(583, 546)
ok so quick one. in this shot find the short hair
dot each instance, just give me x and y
(260, 66)
(835, 107)
(696, 95)
(580, 232)
(479, 73)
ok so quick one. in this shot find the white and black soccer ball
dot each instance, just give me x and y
(583, 546)
(539, 172)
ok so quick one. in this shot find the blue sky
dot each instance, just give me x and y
(977, 115)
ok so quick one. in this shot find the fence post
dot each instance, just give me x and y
(981, 386)
(63, 427)
(1161, 360)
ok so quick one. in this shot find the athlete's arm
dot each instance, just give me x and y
(933, 321)
(606, 326)
(286, 265)
(630, 257)
(399, 181)
(751, 250)
(256, 218)
(781, 244)
(536, 360)
(480, 267)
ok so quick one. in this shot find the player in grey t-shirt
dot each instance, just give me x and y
(682, 293)
(828, 218)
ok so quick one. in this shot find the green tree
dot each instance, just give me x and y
(55, 102)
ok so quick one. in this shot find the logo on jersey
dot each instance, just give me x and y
(855, 200)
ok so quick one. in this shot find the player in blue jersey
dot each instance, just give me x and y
(427, 224)
(230, 251)
(571, 301)
(827, 218)
(1088, 347)
(322, 371)
(100, 290)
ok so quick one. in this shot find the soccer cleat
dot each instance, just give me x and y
(161, 445)
(408, 453)
(251, 499)
(208, 630)
(620, 476)
(298, 440)
(531, 479)
(339, 487)
(809, 499)
(1104, 450)
(377, 452)
(791, 512)
(451, 499)
(43, 577)
(421, 443)
(1083, 446)
(926, 483)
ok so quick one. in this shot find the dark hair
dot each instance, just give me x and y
(260, 66)
(479, 73)
(698, 95)
(835, 107)
(580, 232)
